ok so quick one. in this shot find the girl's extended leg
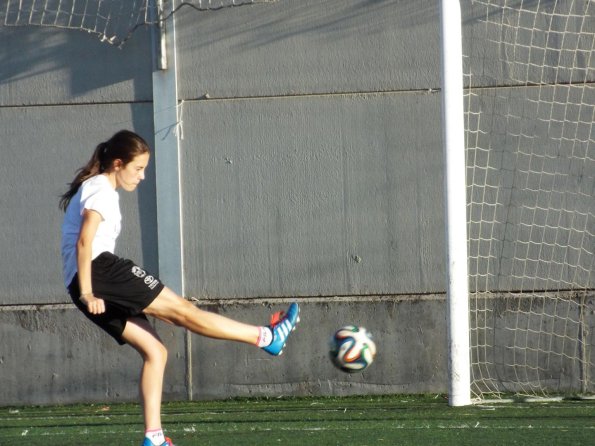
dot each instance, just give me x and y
(170, 307)
(144, 339)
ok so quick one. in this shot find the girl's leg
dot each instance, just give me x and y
(170, 307)
(144, 339)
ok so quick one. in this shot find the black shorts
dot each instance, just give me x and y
(126, 289)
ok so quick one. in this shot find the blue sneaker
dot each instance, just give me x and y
(167, 442)
(282, 325)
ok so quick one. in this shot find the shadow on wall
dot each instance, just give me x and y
(72, 91)
(329, 20)
(71, 67)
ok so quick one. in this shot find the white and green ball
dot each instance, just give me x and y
(352, 349)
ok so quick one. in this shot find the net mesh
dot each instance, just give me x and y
(113, 21)
(531, 186)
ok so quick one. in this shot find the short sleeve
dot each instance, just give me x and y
(100, 200)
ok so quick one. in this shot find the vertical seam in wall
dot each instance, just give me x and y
(167, 128)
(189, 371)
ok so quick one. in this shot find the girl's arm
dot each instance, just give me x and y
(91, 220)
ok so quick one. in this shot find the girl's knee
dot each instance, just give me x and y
(184, 311)
(157, 353)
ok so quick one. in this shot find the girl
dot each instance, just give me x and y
(117, 295)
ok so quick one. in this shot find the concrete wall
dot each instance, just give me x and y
(59, 99)
(311, 167)
(60, 94)
(341, 209)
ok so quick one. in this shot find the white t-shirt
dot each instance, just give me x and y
(96, 194)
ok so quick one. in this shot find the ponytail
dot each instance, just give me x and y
(124, 145)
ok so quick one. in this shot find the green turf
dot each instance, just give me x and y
(390, 420)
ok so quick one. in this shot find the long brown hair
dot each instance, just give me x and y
(124, 145)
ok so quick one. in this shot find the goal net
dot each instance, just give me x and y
(113, 21)
(529, 111)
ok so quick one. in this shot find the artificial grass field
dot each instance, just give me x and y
(370, 420)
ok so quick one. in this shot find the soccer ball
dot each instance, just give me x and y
(352, 349)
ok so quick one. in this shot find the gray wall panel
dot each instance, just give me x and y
(313, 196)
(56, 356)
(540, 179)
(49, 66)
(520, 46)
(305, 368)
(42, 147)
(309, 46)
(518, 329)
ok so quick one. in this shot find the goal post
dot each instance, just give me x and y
(528, 90)
(455, 203)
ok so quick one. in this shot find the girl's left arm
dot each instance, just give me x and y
(91, 220)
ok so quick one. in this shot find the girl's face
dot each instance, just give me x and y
(130, 175)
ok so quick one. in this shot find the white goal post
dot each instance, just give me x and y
(455, 203)
(529, 163)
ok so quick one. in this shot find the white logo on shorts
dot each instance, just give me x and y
(151, 282)
(138, 272)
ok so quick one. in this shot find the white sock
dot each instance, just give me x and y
(265, 337)
(156, 436)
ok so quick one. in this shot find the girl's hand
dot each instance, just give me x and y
(94, 304)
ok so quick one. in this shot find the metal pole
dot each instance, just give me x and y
(162, 29)
(168, 169)
(453, 125)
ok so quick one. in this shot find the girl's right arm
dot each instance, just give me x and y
(91, 220)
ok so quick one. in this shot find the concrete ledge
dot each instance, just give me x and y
(51, 354)
(409, 332)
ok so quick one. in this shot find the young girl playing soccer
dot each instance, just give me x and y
(117, 295)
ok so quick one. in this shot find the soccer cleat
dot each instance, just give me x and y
(167, 442)
(281, 326)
